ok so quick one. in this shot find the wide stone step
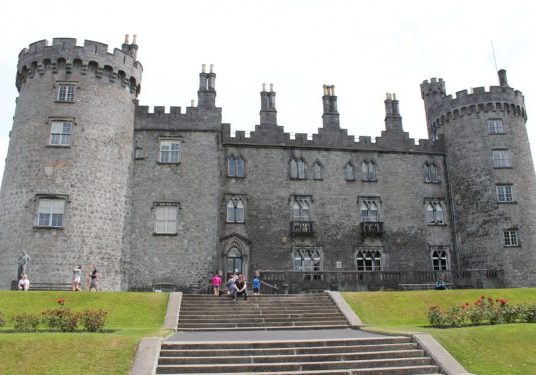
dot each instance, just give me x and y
(406, 370)
(292, 366)
(264, 328)
(260, 315)
(324, 357)
(285, 351)
(263, 319)
(271, 344)
(253, 309)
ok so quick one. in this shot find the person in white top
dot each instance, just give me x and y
(77, 274)
(24, 283)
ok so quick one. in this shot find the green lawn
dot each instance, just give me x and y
(131, 316)
(506, 349)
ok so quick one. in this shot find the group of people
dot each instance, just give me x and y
(24, 282)
(235, 286)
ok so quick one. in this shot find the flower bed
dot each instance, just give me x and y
(485, 310)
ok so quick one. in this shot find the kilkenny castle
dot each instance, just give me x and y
(160, 200)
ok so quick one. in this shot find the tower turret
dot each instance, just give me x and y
(491, 176)
(65, 195)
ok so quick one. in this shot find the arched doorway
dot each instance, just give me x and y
(234, 261)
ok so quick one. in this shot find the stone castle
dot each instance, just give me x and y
(160, 200)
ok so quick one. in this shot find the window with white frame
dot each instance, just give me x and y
(495, 126)
(510, 237)
(66, 92)
(435, 213)
(297, 169)
(50, 212)
(317, 170)
(349, 172)
(60, 133)
(235, 210)
(504, 193)
(501, 159)
(440, 258)
(368, 259)
(307, 259)
(235, 166)
(368, 170)
(369, 209)
(170, 151)
(167, 215)
(431, 172)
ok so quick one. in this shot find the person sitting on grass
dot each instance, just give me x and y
(440, 285)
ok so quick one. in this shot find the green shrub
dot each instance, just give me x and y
(25, 322)
(2, 320)
(93, 320)
(436, 317)
(455, 316)
(528, 313)
(62, 319)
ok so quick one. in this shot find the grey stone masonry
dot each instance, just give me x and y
(160, 199)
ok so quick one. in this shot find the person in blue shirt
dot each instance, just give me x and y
(256, 284)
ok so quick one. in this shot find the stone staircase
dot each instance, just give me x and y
(371, 356)
(211, 313)
(271, 334)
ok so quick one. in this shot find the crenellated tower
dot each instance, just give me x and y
(65, 195)
(491, 176)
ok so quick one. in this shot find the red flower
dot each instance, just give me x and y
(61, 301)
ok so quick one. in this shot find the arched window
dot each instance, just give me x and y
(317, 170)
(293, 169)
(235, 211)
(234, 260)
(301, 210)
(431, 173)
(369, 211)
(297, 169)
(368, 260)
(439, 259)
(435, 213)
(349, 172)
(368, 169)
(235, 166)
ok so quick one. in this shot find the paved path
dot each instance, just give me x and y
(286, 334)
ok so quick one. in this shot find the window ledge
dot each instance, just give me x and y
(46, 227)
(235, 222)
(166, 163)
(497, 133)
(437, 224)
(58, 146)
(139, 158)
(432, 182)
(239, 177)
(64, 101)
(165, 234)
(375, 180)
(509, 167)
(512, 202)
(518, 245)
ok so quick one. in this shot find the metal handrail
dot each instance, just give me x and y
(269, 285)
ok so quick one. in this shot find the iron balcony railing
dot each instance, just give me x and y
(301, 227)
(372, 228)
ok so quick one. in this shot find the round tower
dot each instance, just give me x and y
(490, 175)
(65, 195)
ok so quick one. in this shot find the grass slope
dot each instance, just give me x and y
(507, 349)
(131, 316)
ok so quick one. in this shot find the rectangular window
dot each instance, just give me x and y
(166, 219)
(495, 126)
(504, 193)
(511, 238)
(66, 93)
(60, 133)
(138, 153)
(50, 213)
(169, 152)
(501, 159)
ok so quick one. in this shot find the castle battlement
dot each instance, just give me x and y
(442, 108)
(194, 118)
(329, 138)
(40, 57)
